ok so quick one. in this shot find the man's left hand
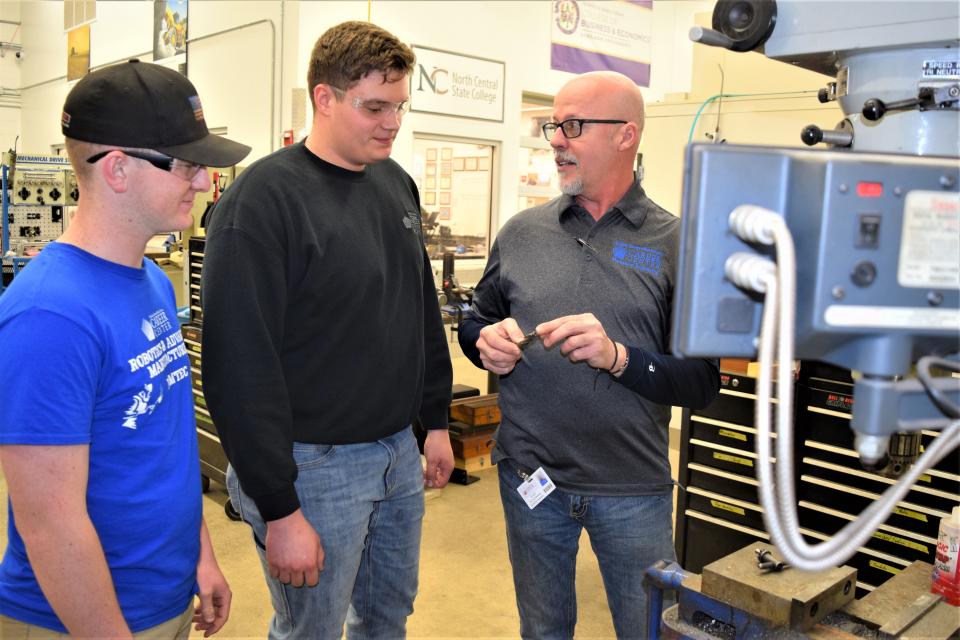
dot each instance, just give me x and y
(214, 607)
(581, 339)
(439, 455)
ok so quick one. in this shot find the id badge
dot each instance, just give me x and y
(536, 487)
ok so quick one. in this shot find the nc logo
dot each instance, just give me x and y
(436, 79)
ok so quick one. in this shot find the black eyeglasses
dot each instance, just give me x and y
(179, 168)
(573, 127)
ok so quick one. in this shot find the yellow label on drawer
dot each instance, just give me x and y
(727, 507)
(876, 564)
(736, 435)
(922, 517)
(747, 462)
(910, 544)
(925, 478)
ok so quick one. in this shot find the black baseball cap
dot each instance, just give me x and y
(142, 105)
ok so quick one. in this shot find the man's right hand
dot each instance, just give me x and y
(294, 552)
(498, 350)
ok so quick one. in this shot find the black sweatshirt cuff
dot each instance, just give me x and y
(277, 505)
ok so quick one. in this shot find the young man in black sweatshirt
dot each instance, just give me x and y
(322, 343)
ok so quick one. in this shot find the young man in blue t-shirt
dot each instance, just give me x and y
(97, 442)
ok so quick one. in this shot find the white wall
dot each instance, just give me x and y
(237, 73)
(9, 74)
(245, 76)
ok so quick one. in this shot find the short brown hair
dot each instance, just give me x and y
(78, 151)
(346, 53)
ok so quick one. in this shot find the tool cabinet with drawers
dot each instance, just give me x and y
(213, 460)
(718, 509)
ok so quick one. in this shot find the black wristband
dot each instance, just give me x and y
(616, 355)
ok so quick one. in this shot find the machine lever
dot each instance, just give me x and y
(812, 134)
(874, 109)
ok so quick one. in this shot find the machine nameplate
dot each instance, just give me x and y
(876, 317)
(930, 241)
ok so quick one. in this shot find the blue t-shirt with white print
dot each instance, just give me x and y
(91, 354)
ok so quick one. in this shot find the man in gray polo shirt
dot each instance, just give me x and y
(584, 283)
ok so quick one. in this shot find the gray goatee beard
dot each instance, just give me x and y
(574, 187)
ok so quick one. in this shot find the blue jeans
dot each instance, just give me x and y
(627, 533)
(366, 503)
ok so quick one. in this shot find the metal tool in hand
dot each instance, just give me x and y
(766, 561)
(527, 340)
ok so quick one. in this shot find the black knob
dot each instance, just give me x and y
(55, 194)
(864, 273)
(75, 194)
(24, 193)
(874, 109)
(811, 135)
(823, 95)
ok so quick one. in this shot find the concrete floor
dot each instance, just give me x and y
(466, 590)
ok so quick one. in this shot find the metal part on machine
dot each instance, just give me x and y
(739, 25)
(932, 96)
(884, 54)
(901, 607)
(902, 450)
(791, 599)
(766, 561)
(841, 137)
(843, 209)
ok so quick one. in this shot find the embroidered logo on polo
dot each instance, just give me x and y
(412, 221)
(638, 258)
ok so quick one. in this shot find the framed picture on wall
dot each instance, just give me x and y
(483, 163)
(445, 182)
(431, 182)
(458, 164)
(444, 197)
(430, 197)
(431, 168)
(446, 153)
(470, 164)
(445, 168)
(170, 31)
(431, 154)
(444, 213)
(78, 52)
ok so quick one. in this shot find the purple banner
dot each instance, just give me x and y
(564, 58)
